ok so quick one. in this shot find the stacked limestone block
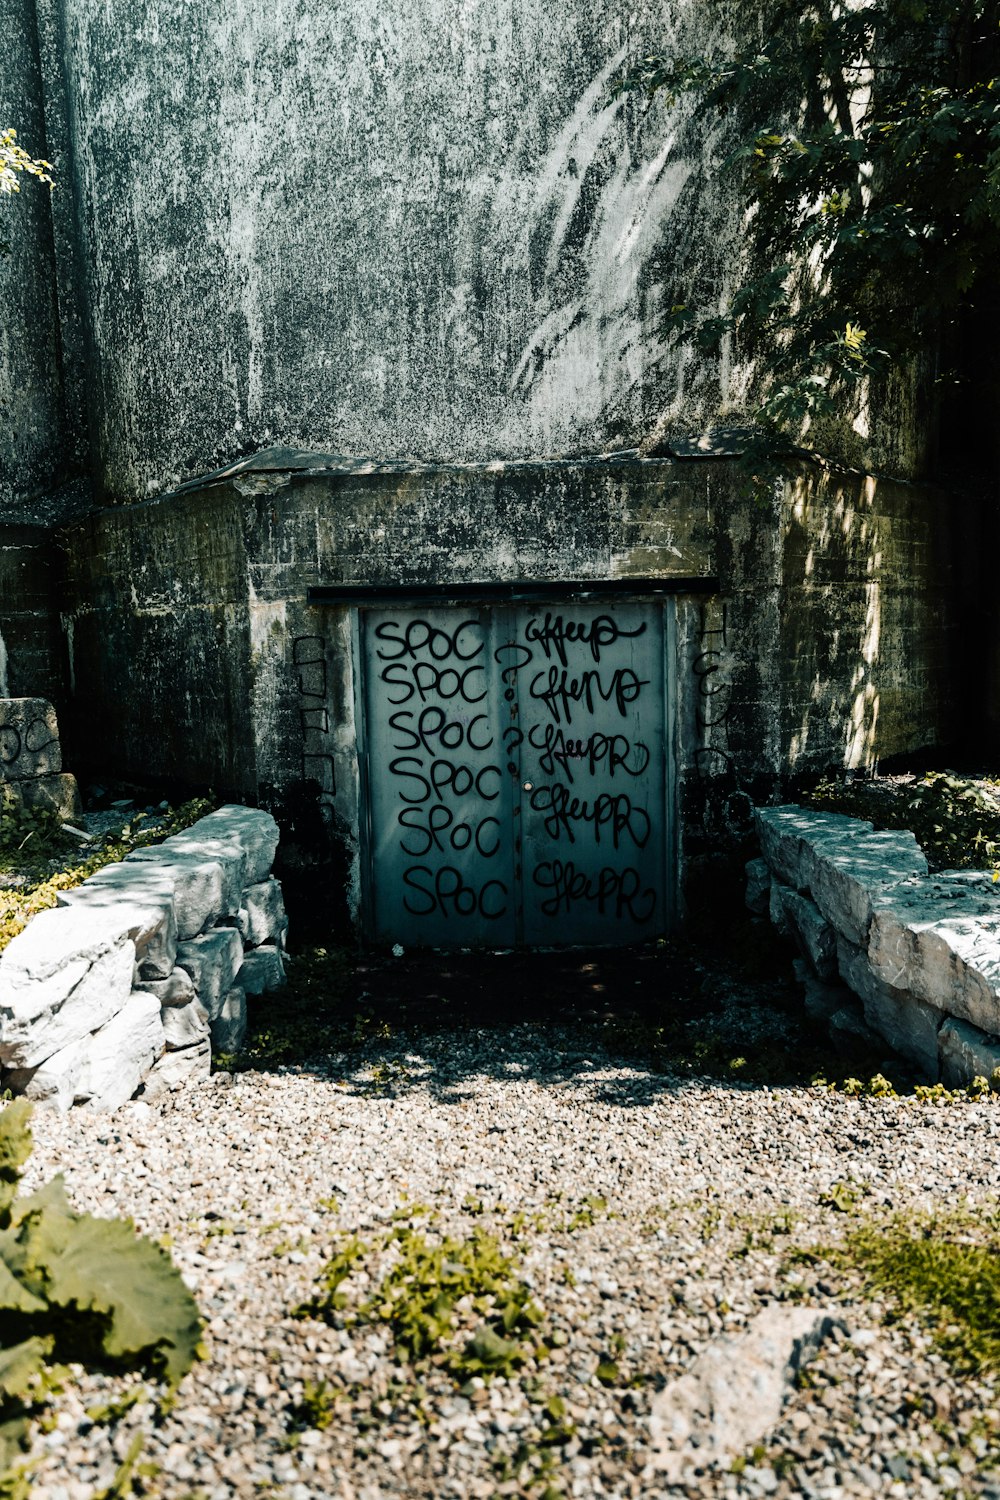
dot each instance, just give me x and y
(138, 975)
(887, 951)
(31, 758)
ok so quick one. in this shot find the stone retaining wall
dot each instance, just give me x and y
(145, 968)
(887, 951)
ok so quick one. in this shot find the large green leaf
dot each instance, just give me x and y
(103, 1267)
(20, 1368)
(14, 1295)
(15, 1148)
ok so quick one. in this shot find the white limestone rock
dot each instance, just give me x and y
(821, 1000)
(178, 1070)
(909, 1025)
(255, 829)
(734, 1392)
(776, 910)
(228, 851)
(147, 917)
(177, 989)
(213, 960)
(966, 1053)
(845, 874)
(56, 1081)
(184, 1025)
(229, 1024)
(64, 976)
(206, 888)
(263, 970)
(122, 1052)
(29, 739)
(758, 893)
(789, 835)
(266, 919)
(939, 939)
(816, 938)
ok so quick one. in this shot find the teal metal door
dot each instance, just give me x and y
(516, 767)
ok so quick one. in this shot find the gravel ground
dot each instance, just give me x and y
(649, 1216)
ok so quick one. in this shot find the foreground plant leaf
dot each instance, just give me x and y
(102, 1267)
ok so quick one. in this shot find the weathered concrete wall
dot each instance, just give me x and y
(31, 649)
(431, 233)
(31, 404)
(203, 660)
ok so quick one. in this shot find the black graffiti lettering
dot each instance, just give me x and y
(436, 828)
(459, 780)
(617, 891)
(434, 724)
(443, 776)
(422, 635)
(555, 634)
(559, 691)
(612, 751)
(561, 810)
(446, 682)
(445, 890)
(396, 768)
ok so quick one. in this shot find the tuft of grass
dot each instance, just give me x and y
(941, 1271)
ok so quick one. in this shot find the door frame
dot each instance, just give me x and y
(653, 592)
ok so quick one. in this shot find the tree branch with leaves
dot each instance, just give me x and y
(865, 142)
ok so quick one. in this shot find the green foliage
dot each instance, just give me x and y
(943, 1270)
(16, 163)
(74, 1287)
(455, 1303)
(954, 818)
(865, 141)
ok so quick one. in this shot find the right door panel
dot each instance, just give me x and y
(590, 702)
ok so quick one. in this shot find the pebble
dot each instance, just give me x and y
(255, 1181)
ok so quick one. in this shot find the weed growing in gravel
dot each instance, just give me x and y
(458, 1305)
(944, 1271)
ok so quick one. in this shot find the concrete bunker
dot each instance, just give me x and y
(787, 628)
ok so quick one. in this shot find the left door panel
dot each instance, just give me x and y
(441, 792)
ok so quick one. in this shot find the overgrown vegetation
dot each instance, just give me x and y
(864, 138)
(34, 847)
(75, 1288)
(954, 818)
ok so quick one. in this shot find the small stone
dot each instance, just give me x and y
(229, 1024)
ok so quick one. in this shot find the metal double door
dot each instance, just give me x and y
(516, 766)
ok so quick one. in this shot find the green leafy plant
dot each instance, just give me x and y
(943, 1270)
(76, 1288)
(456, 1303)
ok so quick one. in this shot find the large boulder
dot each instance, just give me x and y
(213, 960)
(67, 974)
(940, 939)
